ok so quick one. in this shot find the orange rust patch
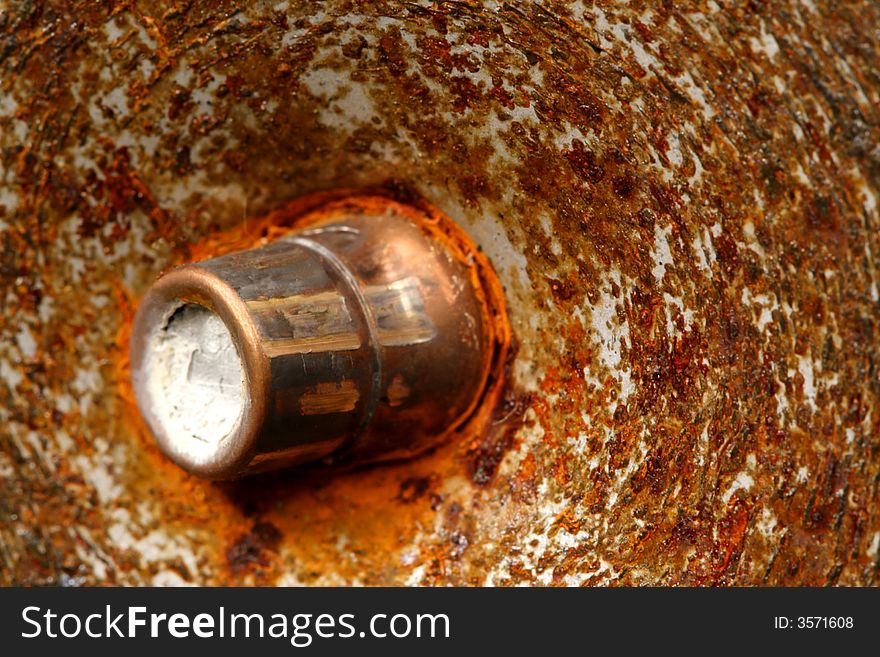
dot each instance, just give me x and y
(313, 508)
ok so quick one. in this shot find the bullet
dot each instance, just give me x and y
(360, 338)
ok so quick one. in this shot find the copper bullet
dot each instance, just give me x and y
(361, 338)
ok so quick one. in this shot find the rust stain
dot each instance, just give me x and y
(322, 502)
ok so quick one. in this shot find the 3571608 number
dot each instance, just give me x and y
(813, 622)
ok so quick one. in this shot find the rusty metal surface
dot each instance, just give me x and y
(680, 200)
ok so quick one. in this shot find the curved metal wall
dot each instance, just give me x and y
(681, 201)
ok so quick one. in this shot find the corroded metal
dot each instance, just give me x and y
(679, 199)
(361, 338)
